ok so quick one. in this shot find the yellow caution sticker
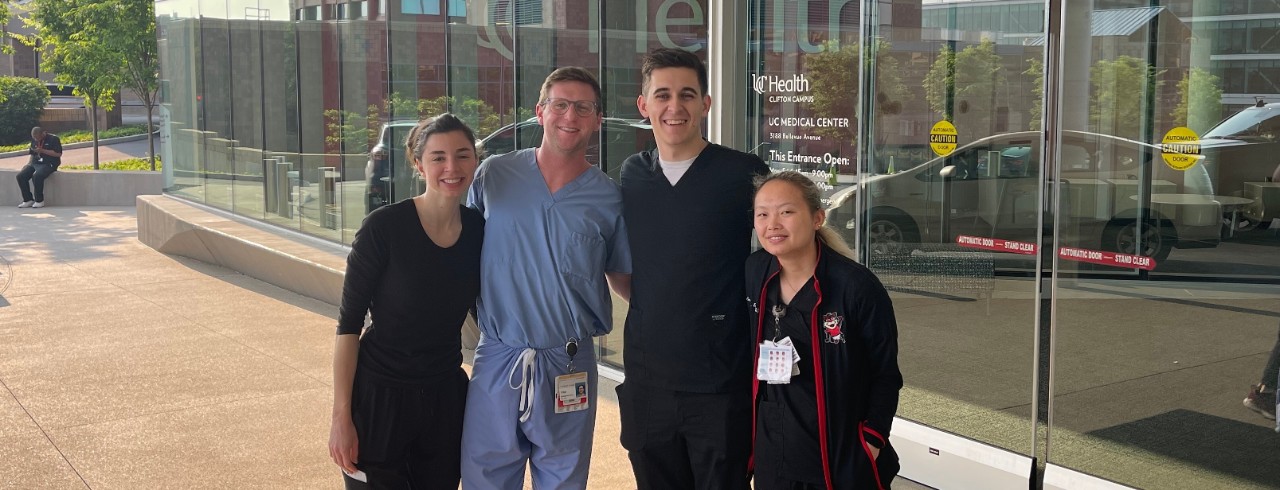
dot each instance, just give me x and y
(1180, 148)
(942, 138)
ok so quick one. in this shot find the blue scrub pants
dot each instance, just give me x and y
(496, 444)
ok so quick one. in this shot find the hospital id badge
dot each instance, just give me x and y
(775, 363)
(571, 392)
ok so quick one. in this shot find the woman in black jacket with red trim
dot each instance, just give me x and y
(823, 413)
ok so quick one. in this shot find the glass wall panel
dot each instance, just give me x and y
(1167, 272)
(481, 75)
(933, 221)
(281, 118)
(418, 88)
(217, 106)
(247, 114)
(320, 97)
(364, 101)
(179, 47)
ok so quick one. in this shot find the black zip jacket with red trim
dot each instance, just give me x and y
(855, 362)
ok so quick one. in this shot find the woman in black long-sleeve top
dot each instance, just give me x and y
(399, 389)
(822, 421)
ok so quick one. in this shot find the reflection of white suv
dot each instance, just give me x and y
(993, 187)
(1243, 152)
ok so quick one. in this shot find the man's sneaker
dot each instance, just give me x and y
(26, 204)
(38, 205)
(1263, 403)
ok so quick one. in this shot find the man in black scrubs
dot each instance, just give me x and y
(686, 402)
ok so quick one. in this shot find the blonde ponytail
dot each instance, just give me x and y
(832, 239)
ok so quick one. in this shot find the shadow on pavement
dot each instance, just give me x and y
(1243, 450)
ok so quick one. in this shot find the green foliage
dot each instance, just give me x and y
(1036, 72)
(129, 164)
(1199, 102)
(834, 77)
(347, 131)
(24, 101)
(98, 46)
(80, 135)
(75, 48)
(352, 132)
(116, 132)
(478, 114)
(126, 30)
(4, 20)
(1118, 101)
(977, 81)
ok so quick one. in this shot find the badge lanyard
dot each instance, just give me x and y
(571, 348)
(571, 389)
(779, 310)
(778, 359)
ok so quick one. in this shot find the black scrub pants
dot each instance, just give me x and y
(410, 435)
(686, 440)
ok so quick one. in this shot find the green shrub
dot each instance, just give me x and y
(81, 135)
(24, 100)
(130, 164)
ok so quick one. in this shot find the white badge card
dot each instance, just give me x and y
(571, 392)
(774, 364)
(795, 358)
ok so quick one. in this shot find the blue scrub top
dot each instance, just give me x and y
(544, 256)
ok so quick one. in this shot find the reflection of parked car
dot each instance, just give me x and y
(388, 176)
(1242, 152)
(1101, 177)
(622, 138)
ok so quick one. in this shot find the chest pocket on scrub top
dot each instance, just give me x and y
(583, 257)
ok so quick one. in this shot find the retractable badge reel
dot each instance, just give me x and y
(571, 389)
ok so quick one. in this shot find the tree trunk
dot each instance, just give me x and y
(93, 122)
(151, 137)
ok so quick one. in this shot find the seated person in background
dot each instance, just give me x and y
(46, 156)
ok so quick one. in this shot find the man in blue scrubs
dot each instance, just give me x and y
(553, 233)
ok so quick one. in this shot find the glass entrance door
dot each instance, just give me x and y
(921, 122)
(1076, 208)
(1165, 291)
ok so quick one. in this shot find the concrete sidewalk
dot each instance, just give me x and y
(122, 367)
(126, 367)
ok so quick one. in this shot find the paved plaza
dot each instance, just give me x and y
(122, 367)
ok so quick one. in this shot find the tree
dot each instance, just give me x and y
(1036, 72)
(126, 30)
(965, 87)
(1199, 101)
(352, 132)
(5, 48)
(74, 49)
(1121, 90)
(834, 75)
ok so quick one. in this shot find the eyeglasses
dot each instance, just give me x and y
(584, 108)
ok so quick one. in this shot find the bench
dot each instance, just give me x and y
(86, 187)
